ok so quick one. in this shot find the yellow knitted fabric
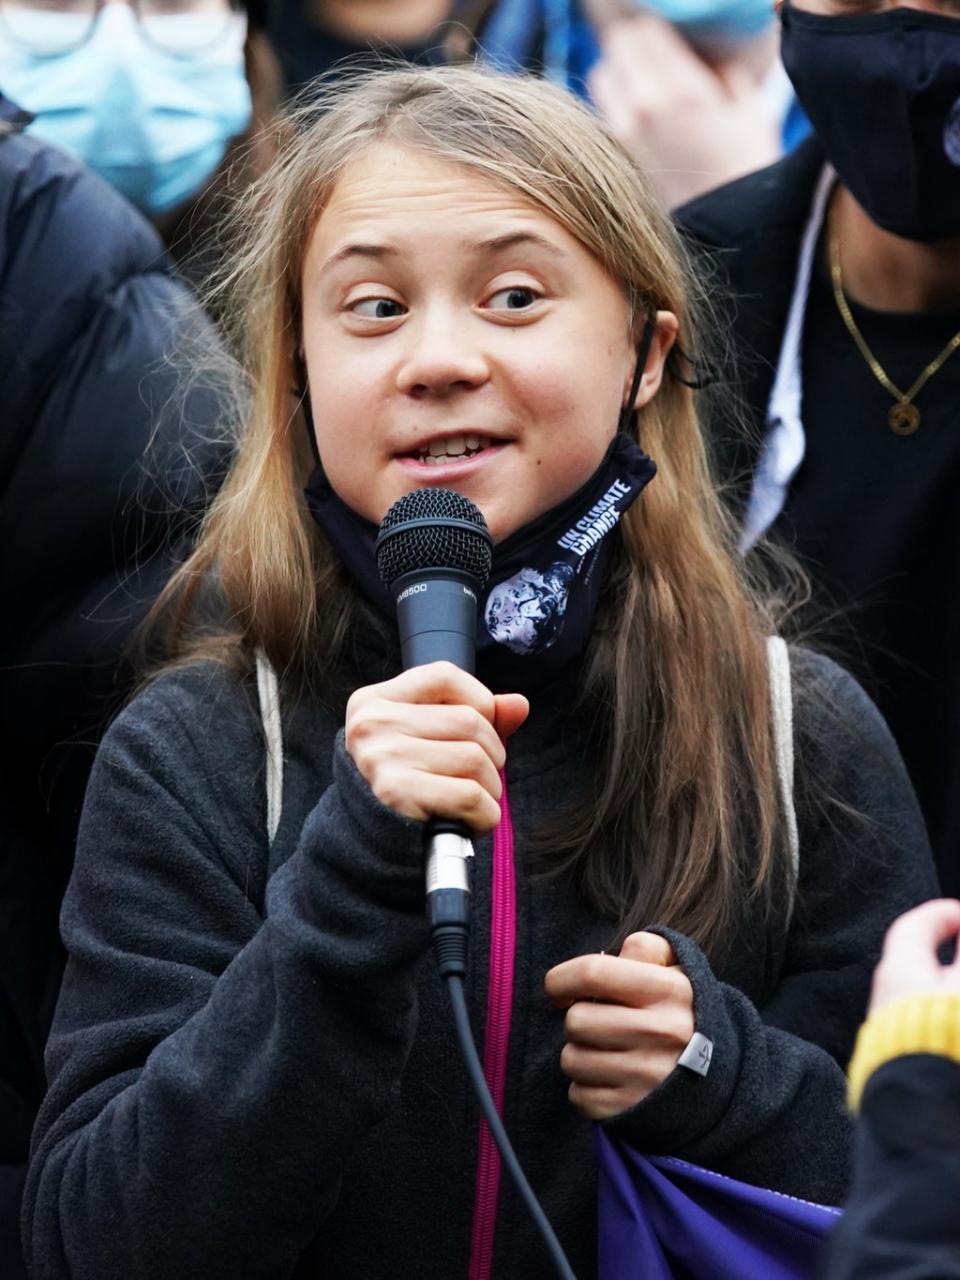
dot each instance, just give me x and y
(927, 1023)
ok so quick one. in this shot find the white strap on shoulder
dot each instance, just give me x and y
(781, 708)
(268, 691)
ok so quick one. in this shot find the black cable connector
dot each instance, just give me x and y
(448, 914)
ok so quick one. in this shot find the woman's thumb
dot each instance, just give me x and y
(510, 711)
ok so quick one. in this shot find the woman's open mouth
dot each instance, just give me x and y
(449, 454)
(450, 449)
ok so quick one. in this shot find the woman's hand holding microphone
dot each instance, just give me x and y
(430, 743)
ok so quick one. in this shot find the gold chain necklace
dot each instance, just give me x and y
(904, 416)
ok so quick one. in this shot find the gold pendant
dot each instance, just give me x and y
(904, 418)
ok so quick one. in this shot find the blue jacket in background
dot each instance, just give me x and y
(555, 32)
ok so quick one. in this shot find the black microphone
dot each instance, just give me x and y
(434, 552)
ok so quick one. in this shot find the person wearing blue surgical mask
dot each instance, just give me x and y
(694, 89)
(153, 95)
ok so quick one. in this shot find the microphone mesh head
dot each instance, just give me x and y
(434, 529)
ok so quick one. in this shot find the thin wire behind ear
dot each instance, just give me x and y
(643, 351)
(301, 390)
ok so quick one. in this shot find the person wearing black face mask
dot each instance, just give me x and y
(844, 260)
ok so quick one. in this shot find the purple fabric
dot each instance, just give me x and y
(664, 1219)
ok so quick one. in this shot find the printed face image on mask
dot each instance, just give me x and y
(525, 613)
(456, 335)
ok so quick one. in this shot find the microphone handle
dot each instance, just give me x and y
(437, 617)
(437, 621)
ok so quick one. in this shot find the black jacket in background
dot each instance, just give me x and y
(892, 625)
(902, 1221)
(89, 309)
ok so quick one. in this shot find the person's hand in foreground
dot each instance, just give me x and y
(910, 965)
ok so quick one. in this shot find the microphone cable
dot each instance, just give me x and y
(450, 946)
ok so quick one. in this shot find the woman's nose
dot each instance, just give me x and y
(443, 356)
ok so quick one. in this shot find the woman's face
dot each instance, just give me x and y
(457, 336)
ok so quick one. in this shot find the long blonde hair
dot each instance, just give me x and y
(685, 826)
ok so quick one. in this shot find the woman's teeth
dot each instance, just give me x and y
(450, 450)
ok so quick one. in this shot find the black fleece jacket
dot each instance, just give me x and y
(252, 1074)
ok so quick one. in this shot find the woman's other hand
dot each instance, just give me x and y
(629, 1018)
(909, 965)
(430, 743)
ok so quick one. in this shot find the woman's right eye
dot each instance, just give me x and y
(377, 308)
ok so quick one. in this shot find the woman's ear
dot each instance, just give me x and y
(664, 336)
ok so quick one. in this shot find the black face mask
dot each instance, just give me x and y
(882, 91)
(546, 578)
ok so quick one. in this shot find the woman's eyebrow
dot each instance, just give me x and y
(498, 244)
(375, 251)
(493, 245)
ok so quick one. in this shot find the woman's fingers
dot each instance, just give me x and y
(592, 1067)
(615, 1027)
(430, 743)
(395, 721)
(419, 795)
(628, 1019)
(597, 1102)
(437, 682)
(466, 760)
(422, 777)
(605, 1082)
(612, 978)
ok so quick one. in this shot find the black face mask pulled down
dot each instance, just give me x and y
(546, 578)
(882, 91)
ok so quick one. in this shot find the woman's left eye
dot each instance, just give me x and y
(377, 308)
(516, 298)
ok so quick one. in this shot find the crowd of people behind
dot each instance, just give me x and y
(523, 247)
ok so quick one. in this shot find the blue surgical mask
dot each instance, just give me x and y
(154, 124)
(716, 24)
